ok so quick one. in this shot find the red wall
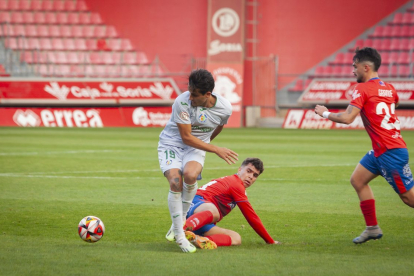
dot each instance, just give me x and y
(300, 32)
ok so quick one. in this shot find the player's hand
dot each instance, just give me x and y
(227, 155)
(320, 109)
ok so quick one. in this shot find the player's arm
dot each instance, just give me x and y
(254, 221)
(226, 154)
(346, 117)
(216, 132)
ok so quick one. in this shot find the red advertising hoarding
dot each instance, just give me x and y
(339, 92)
(85, 117)
(307, 119)
(14, 91)
(225, 52)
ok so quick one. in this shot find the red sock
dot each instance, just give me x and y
(198, 220)
(368, 210)
(221, 239)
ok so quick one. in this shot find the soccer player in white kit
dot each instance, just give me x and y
(198, 116)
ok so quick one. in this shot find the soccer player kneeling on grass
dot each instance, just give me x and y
(215, 200)
(376, 101)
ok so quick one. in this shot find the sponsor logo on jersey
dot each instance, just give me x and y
(184, 115)
(202, 118)
(203, 108)
(202, 129)
(184, 103)
(384, 93)
(407, 170)
(355, 95)
(232, 204)
(381, 83)
(396, 135)
(168, 162)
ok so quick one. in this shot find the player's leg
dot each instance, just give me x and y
(170, 163)
(364, 172)
(223, 237)
(408, 197)
(200, 215)
(193, 161)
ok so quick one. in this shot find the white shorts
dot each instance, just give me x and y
(172, 157)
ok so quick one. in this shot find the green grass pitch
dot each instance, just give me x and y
(51, 178)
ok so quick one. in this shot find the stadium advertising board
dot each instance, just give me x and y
(307, 119)
(87, 92)
(339, 92)
(225, 52)
(85, 117)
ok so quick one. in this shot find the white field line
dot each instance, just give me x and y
(55, 152)
(55, 174)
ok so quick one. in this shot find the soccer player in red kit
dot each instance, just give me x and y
(376, 101)
(216, 199)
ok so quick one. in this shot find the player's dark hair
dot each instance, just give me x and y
(256, 162)
(202, 80)
(368, 54)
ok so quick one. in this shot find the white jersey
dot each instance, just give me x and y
(203, 120)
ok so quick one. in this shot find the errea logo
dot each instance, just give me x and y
(355, 95)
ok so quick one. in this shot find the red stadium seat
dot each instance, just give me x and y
(3, 5)
(130, 58)
(57, 44)
(339, 58)
(403, 58)
(406, 18)
(396, 31)
(16, 18)
(73, 18)
(91, 44)
(80, 44)
(393, 57)
(58, 5)
(383, 71)
(87, 31)
(27, 56)
(99, 31)
(395, 44)
(393, 70)
(43, 30)
(45, 44)
(84, 18)
(397, 19)
(142, 58)
(106, 58)
(19, 30)
(51, 18)
(385, 45)
(62, 18)
(95, 19)
(39, 18)
(378, 32)
(298, 86)
(65, 31)
(31, 30)
(114, 44)
(81, 5)
(404, 44)
(405, 31)
(34, 44)
(43, 70)
(126, 45)
(47, 5)
(70, 6)
(111, 32)
(69, 44)
(117, 57)
(113, 71)
(337, 70)
(411, 43)
(28, 17)
(25, 5)
(36, 5)
(13, 5)
(77, 30)
(385, 58)
(73, 58)
(5, 17)
(84, 57)
(387, 31)
(404, 71)
(77, 70)
(54, 30)
(95, 58)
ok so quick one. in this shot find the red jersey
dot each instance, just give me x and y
(377, 101)
(227, 192)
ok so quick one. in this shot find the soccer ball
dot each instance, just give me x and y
(91, 229)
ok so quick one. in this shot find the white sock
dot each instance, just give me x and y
(189, 191)
(176, 212)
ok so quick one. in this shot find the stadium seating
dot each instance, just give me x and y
(64, 38)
